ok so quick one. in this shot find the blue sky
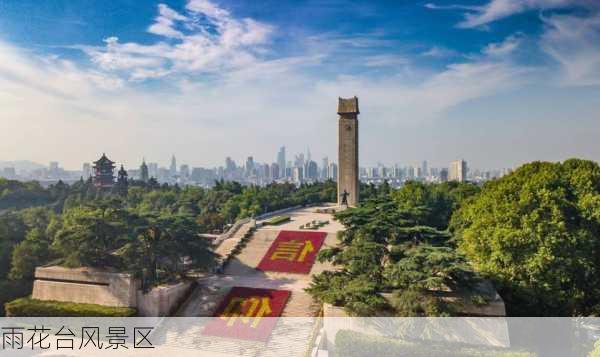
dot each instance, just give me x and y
(496, 82)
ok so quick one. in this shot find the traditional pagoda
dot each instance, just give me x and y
(104, 172)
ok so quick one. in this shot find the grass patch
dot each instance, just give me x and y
(277, 220)
(28, 307)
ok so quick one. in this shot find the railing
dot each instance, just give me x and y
(231, 231)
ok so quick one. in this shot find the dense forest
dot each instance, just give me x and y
(534, 233)
(145, 228)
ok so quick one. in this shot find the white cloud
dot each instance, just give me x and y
(439, 52)
(494, 10)
(213, 41)
(164, 23)
(574, 43)
(504, 48)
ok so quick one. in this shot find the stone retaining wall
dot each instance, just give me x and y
(85, 285)
(93, 286)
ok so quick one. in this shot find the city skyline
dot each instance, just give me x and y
(208, 79)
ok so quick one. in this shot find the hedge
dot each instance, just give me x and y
(12, 289)
(28, 307)
(277, 220)
(353, 344)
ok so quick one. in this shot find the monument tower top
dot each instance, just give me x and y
(348, 106)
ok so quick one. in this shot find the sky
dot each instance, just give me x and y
(495, 82)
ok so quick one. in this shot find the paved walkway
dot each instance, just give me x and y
(290, 336)
(241, 269)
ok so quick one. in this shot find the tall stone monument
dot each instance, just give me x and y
(348, 151)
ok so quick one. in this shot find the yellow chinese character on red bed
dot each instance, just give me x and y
(245, 309)
(292, 250)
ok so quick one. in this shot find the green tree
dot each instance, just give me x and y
(536, 232)
(387, 247)
(90, 234)
(165, 247)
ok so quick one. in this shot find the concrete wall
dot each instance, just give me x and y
(85, 285)
(93, 286)
(162, 300)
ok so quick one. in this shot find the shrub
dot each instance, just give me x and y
(277, 220)
(12, 289)
(28, 307)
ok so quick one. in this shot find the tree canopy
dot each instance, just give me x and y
(537, 232)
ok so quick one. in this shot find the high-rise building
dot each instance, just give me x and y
(410, 173)
(444, 175)
(153, 169)
(144, 174)
(173, 167)
(184, 171)
(275, 171)
(249, 166)
(457, 171)
(281, 161)
(312, 170)
(86, 171)
(324, 168)
(424, 169)
(266, 173)
(332, 171)
(298, 175)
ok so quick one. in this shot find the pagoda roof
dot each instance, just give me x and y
(103, 160)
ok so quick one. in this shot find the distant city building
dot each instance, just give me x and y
(444, 175)
(153, 169)
(324, 168)
(281, 161)
(457, 171)
(144, 173)
(332, 171)
(312, 171)
(9, 173)
(184, 171)
(173, 168)
(249, 166)
(104, 170)
(275, 171)
(86, 170)
(424, 169)
(298, 175)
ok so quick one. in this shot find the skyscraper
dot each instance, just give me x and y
(324, 168)
(281, 161)
(332, 171)
(424, 169)
(457, 171)
(312, 170)
(184, 171)
(144, 174)
(86, 170)
(249, 166)
(173, 168)
(275, 171)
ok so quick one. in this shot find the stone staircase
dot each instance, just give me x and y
(230, 246)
